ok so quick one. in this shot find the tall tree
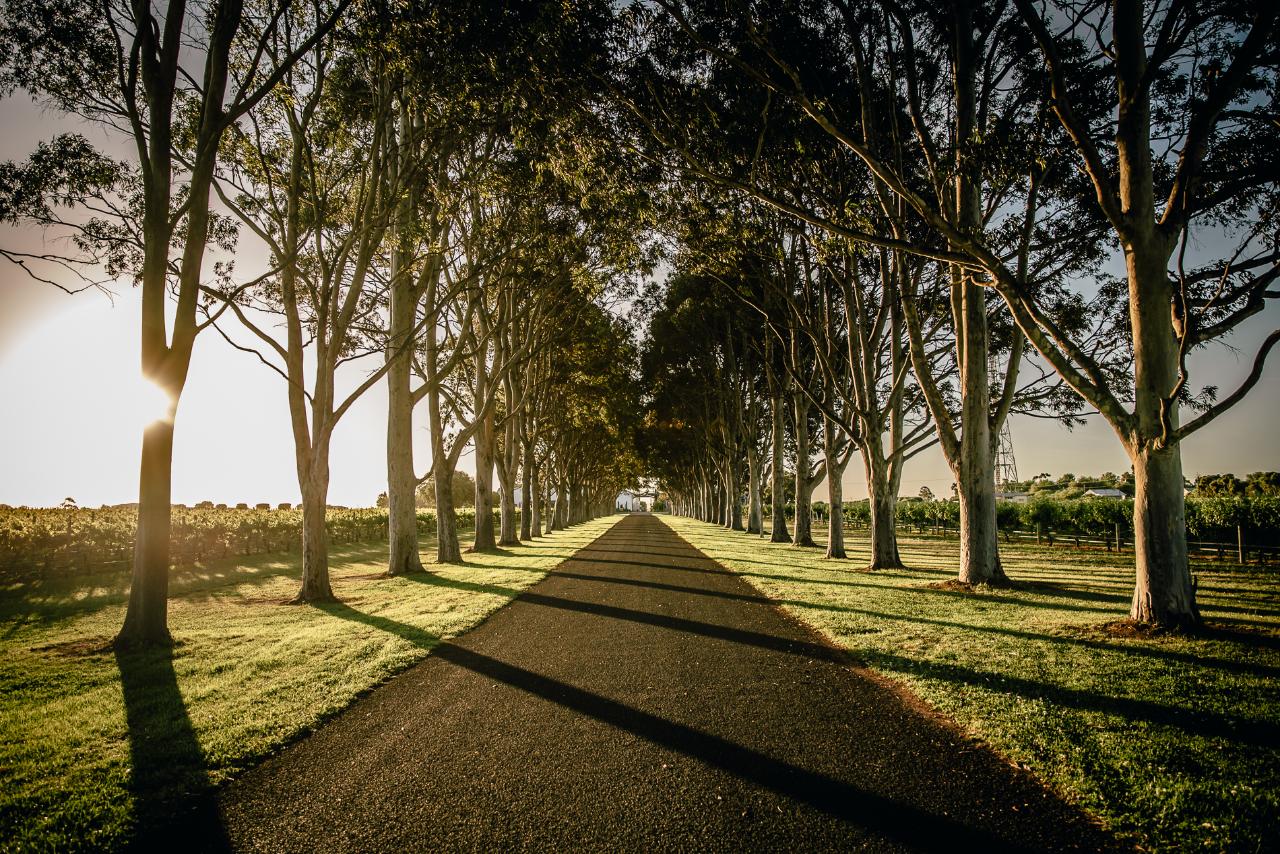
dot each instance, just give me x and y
(1188, 150)
(312, 176)
(130, 67)
(925, 98)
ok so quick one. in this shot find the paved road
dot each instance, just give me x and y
(641, 698)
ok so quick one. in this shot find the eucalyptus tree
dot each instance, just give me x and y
(428, 165)
(806, 420)
(1094, 86)
(452, 103)
(592, 429)
(159, 77)
(448, 339)
(538, 404)
(927, 99)
(530, 251)
(774, 371)
(886, 416)
(547, 286)
(434, 295)
(681, 353)
(454, 361)
(465, 108)
(503, 304)
(1185, 152)
(311, 175)
(673, 366)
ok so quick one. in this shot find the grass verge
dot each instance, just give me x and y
(1173, 741)
(94, 745)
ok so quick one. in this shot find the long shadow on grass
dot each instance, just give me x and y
(1260, 670)
(48, 601)
(414, 635)
(432, 580)
(174, 805)
(1206, 724)
(1047, 589)
(1055, 593)
(902, 822)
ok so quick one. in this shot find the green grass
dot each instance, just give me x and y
(1173, 741)
(93, 744)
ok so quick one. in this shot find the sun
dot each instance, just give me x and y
(76, 406)
(144, 402)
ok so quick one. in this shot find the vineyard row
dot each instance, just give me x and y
(40, 542)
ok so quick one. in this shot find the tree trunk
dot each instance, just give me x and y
(146, 620)
(884, 534)
(535, 498)
(526, 492)
(735, 493)
(778, 498)
(835, 494)
(508, 471)
(448, 549)
(804, 482)
(755, 510)
(315, 539)
(979, 547)
(402, 484)
(1164, 593)
(484, 539)
(724, 516)
(975, 470)
(560, 517)
(577, 503)
(804, 513)
(507, 518)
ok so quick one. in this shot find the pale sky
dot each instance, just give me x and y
(73, 411)
(73, 406)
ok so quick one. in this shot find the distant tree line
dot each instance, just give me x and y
(41, 542)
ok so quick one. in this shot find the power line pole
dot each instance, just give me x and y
(1006, 466)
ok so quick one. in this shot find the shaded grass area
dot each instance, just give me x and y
(97, 746)
(1173, 741)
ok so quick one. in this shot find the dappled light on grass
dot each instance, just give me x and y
(1174, 740)
(246, 676)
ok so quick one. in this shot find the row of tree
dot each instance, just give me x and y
(900, 227)
(890, 225)
(420, 204)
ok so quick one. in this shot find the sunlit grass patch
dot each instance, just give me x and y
(92, 743)
(1174, 741)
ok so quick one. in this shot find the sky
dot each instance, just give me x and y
(72, 406)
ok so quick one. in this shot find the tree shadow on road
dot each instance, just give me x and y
(885, 816)
(173, 799)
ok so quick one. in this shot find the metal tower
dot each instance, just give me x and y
(1006, 467)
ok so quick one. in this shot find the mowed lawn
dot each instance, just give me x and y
(1173, 741)
(93, 744)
